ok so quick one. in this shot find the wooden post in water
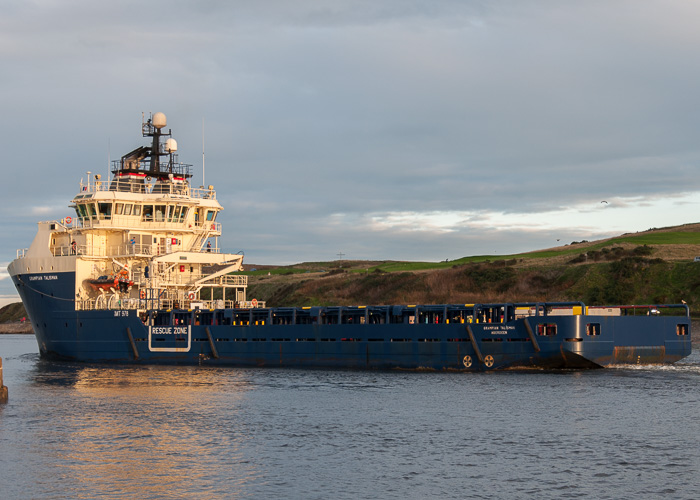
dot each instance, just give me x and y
(3, 389)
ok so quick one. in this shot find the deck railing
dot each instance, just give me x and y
(114, 303)
(175, 189)
(186, 279)
(130, 221)
(136, 250)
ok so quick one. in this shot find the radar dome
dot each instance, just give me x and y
(159, 120)
(171, 145)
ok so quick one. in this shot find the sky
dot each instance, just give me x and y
(379, 130)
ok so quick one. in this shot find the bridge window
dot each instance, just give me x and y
(593, 329)
(148, 213)
(105, 209)
(160, 213)
(82, 211)
(681, 329)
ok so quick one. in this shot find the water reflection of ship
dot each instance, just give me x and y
(148, 425)
(160, 381)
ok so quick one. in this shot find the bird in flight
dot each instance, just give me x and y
(604, 202)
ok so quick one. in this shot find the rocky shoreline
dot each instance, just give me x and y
(16, 327)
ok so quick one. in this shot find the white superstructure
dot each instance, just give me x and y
(143, 239)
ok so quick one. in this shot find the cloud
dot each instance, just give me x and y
(451, 123)
(8, 299)
(43, 210)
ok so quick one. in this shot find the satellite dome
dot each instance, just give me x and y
(159, 120)
(171, 145)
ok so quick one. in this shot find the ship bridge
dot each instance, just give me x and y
(144, 233)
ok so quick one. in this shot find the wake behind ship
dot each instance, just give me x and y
(137, 276)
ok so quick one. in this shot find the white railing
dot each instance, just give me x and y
(171, 189)
(131, 221)
(116, 303)
(63, 251)
(228, 279)
(136, 250)
(182, 280)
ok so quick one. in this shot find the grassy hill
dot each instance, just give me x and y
(10, 316)
(654, 266)
(12, 312)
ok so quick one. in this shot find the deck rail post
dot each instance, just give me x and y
(3, 389)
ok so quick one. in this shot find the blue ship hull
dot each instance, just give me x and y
(221, 337)
(64, 279)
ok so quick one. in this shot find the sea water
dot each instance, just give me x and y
(98, 431)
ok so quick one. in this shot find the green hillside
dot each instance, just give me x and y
(655, 266)
(12, 312)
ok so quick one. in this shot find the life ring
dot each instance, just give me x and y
(254, 302)
(68, 220)
(191, 295)
(142, 294)
(488, 361)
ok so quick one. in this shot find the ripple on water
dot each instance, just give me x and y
(86, 431)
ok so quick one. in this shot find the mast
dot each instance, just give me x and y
(153, 128)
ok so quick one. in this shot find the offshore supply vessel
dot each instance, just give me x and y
(137, 276)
